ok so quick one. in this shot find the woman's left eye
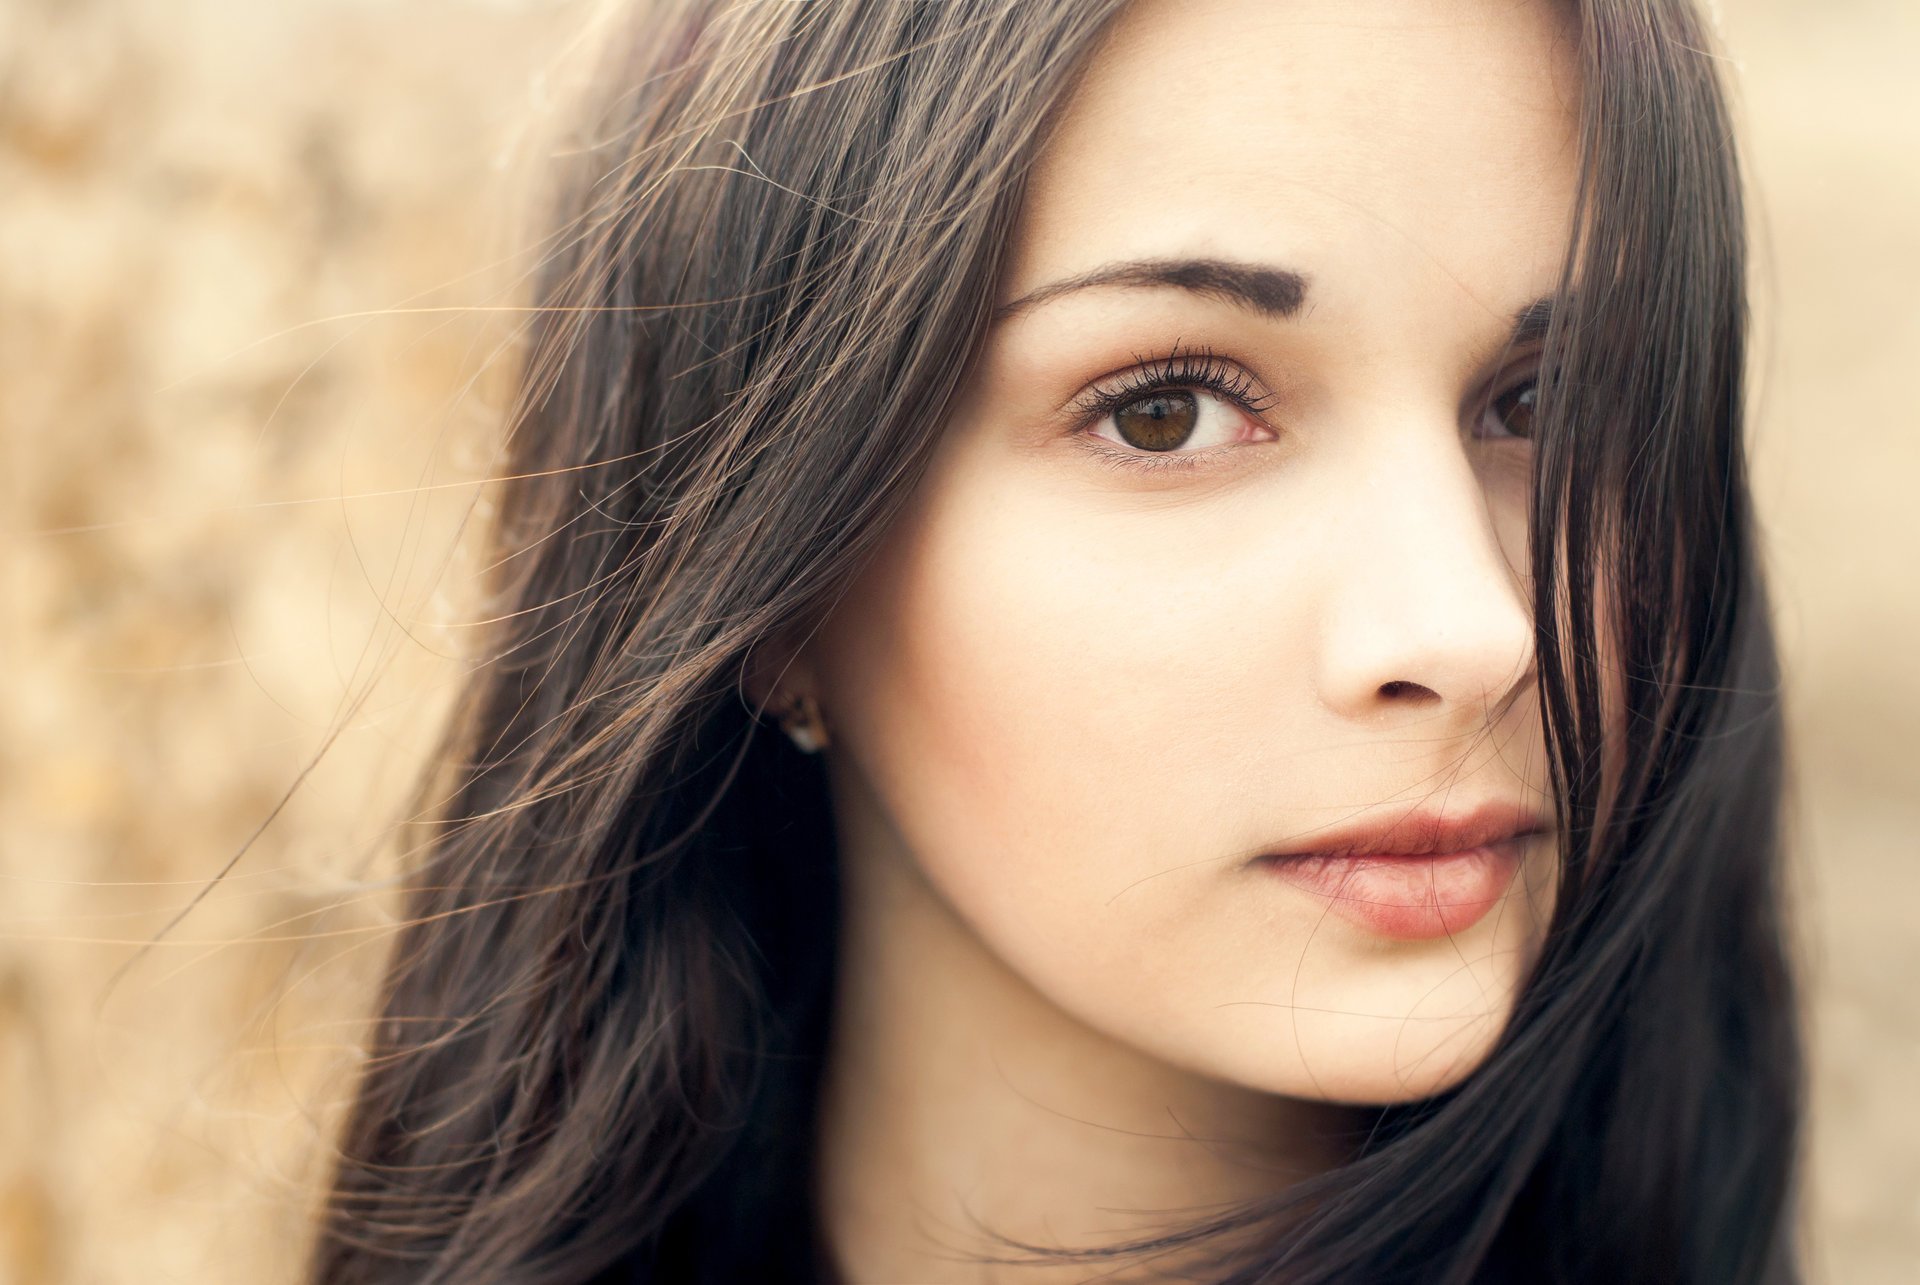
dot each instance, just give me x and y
(1514, 410)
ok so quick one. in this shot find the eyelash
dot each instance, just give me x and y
(1190, 370)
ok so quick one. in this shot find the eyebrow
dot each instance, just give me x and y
(1266, 289)
(1531, 322)
(1270, 291)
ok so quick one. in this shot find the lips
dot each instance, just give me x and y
(1407, 897)
(1421, 833)
(1416, 875)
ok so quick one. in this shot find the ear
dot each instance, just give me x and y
(775, 664)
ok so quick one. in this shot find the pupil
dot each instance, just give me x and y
(1160, 422)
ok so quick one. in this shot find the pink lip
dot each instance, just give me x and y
(1410, 897)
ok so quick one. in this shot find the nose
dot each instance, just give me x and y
(1428, 608)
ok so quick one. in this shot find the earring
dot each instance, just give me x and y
(801, 719)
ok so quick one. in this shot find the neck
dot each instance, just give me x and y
(959, 1101)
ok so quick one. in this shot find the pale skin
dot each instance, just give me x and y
(1070, 700)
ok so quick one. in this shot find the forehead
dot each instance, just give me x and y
(1424, 143)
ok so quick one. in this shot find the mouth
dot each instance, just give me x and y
(1409, 897)
(1418, 877)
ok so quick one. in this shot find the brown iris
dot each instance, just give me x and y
(1516, 407)
(1159, 422)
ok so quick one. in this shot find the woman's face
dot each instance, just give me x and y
(1225, 548)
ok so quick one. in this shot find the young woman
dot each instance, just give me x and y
(1239, 507)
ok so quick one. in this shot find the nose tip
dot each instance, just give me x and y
(1431, 609)
(1472, 663)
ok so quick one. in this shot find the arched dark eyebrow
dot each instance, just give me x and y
(1269, 291)
(1530, 323)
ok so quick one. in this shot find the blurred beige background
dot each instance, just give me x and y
(254, 261)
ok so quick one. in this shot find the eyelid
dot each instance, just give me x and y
(1201, 371)
(1512, 374)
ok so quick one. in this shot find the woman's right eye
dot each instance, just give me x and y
(1168, 418)
(1149, 417)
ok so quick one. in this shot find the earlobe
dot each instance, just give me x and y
(770, 667)
(779, 682)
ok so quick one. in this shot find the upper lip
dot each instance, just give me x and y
(1422, 833)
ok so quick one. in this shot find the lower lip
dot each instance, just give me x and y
(1407, 897)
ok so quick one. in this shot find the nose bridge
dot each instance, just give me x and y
(1428, 596)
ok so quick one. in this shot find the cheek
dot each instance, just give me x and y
(1036, 688)
(1505, 471)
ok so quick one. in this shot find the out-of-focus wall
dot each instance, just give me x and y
(252, 257)
(252, 264)
(1831, 113)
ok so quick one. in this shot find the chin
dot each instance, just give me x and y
(1389, 1086)
(1358, 1059)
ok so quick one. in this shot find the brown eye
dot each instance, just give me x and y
(1515, 408)
(1158, 422)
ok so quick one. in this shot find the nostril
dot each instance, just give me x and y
(1397, 686)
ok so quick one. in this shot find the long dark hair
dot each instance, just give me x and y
(604, 1018)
